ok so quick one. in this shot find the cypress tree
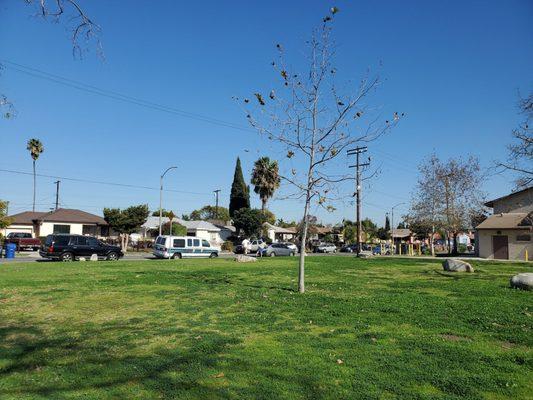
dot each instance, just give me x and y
(240, 192)
(387, 224)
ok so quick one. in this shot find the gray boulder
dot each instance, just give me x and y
(523, 281)
(244, 259)
(94, 257)
(457, 266)
(365, 254)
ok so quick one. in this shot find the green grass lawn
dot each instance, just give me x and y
(215, 329)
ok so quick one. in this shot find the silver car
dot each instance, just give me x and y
(326, 248)
(278, 249)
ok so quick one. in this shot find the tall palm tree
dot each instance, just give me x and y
(35, 147)
(265, 178)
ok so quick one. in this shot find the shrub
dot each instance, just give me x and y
(227, 246)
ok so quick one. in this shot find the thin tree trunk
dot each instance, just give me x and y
(303, 242)
(432, 241)
(263, 205)
(34, 185)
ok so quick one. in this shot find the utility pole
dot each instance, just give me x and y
(57, 194)
(216, 202)
(358, 151)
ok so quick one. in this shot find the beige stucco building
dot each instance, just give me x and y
(508, 233)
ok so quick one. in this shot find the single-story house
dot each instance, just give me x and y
(279, 234)
(62, 220)
(226, 228)
(402, 235)
(507, 235)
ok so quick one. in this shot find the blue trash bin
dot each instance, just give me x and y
(11, 248)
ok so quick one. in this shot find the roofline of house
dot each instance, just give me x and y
(490, 203)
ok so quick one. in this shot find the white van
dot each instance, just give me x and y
(183, 246)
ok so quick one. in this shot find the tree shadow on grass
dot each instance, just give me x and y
(61, 365)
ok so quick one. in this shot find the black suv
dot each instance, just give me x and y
(69, 247)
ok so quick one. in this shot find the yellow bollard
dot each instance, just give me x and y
(400, 248)
(527, 256)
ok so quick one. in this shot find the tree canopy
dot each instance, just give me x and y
(249, 221)
(240, 192)
(126, 221)
(210, 212)
(265, 178)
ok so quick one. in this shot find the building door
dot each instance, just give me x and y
(500, 245)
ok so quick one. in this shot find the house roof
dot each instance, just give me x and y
(507, 221)
(279, 229)
(199, 225)
(60, 215)
(491, 202)
(400, 232)
(153, 222)
(26, 217)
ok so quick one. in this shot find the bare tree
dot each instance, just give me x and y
(448, 195)
(520, 158)
(426, 208)
(315, 120)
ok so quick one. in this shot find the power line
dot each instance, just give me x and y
(119, 96)
(101, 182)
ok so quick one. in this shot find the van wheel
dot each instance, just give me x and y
(176, 255)
(112, 256)
(67, 257)
(213, 255)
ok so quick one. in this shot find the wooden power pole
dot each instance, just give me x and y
(358, 151)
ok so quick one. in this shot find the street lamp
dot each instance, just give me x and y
(392, 226)
(161, 196)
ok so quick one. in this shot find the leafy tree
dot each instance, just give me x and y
(314, 120)
(210, 212)
(240, 193)
(265, 178)
(126, 221)
(520, 158)
(249, 221)
(4, 220)
(35, 147)
(383, 234)
(177, 229)
(164, 213)
(269, 216)
(285, 224)
(370, 229)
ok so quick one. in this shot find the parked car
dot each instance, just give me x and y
(378, 250)
(349, 248)
(239, 249)
(291, 246)
(256, 245)
(278, 249)
(183, 246)
(23, 240)
(326, 248)
(67, 247)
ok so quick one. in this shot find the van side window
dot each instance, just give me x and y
(205, 243)
(196, 242)
(179, 243)
(189, 242)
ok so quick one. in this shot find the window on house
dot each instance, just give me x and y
(61, 228)
(523, 238)
(89, 230)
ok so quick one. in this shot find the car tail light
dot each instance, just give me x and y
(51, 248)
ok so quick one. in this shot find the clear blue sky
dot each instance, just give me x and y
(454, 68)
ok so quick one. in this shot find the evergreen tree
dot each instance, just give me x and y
(240, 193)
(387, 223)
